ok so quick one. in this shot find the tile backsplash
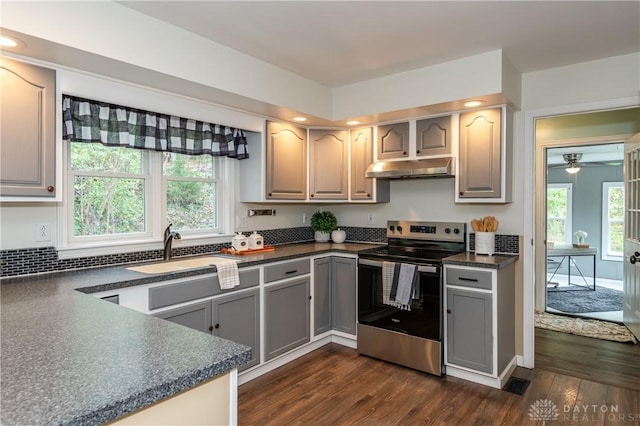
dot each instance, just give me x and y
(39, 260)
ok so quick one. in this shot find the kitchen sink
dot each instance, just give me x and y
(179, 265)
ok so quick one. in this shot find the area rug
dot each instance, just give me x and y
(579, 300)
(584, 327)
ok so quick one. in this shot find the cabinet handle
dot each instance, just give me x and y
(311, 195)
(270, 194)
(448, 311)
(461, 193)
(473, 280)
(291, 272)
(404, 152)
(217, 326)
(210, 328)
(368, 195)
(417, 151)
(633, 260)
(51, 188)
(309, 297)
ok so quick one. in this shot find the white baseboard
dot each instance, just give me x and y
(482, 378)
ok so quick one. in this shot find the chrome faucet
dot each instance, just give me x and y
(169, 236)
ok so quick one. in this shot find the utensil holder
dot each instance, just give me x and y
(485, 243)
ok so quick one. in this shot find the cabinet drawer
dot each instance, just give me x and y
(286, 270)
(197, 288)
(467, 278)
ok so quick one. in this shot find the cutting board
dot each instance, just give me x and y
(264, 249)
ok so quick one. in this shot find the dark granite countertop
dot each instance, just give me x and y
(70, 358)
(497, 261)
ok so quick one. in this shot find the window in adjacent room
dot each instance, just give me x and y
(559, 213)
(612, 220)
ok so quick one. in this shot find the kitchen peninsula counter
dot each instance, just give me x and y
(71, 358)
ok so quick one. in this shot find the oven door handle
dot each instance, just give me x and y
(378, 264)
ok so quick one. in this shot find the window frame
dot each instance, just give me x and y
(605, 253)
(568, 219)
(72, 246)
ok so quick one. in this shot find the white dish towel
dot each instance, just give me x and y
(227, 274)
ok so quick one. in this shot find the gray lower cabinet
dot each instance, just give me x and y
(343, 294)
(196, 316)
(287, 316)
(334, 295)
(322, 299)
(469, 331)
(27, 130)
(236, 317)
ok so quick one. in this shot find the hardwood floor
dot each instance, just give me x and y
(334, 385)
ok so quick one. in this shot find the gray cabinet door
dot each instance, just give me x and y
(433, 136)
(343, 294)
(328, 164)
(236, 317)
(361, 159)
(480, 154)
(322, 295)
(196, 316)
(27, 130)
(469, 329)
(286, 162)
(393, 141)
(286, 316)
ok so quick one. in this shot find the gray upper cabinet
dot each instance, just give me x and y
(322, 295)
(433, 136)
(469, 333)
(362, 187)
(343, 294)
(236, 317)
(393, 141)
(27, 130)
(286, 162)
(481, 157)
(328, 164)
(287, 316)
(196, 316)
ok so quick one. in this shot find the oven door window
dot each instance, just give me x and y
(423, 320)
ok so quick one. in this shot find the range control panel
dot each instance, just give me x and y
(434, 231)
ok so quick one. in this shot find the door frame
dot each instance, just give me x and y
(534, 246)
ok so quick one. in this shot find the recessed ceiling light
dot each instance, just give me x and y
(299, 119)
(6, 41)
(353, 122)
(472, 104)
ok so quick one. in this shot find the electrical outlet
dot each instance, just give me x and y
(241, 221)
(43, 232)
(304, 218)
(370, 218)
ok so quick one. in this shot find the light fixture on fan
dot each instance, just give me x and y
(572, 163)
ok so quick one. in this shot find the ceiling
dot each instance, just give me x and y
(336, 43)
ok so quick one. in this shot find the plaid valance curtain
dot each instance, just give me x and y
(86, 120)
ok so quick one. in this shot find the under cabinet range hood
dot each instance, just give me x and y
(427, 168)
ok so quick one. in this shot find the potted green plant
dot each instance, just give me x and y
(323, 222)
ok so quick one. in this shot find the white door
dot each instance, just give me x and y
(631, 312)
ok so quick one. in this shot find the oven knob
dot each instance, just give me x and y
(456, 231)
(400, 229)
(392, 228)
(447, 230)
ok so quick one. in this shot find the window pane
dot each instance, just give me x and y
(191, 205)
(616, 202)
(557, 202)
(555, 231)
(616, 241)
(200, 166)
(108, 206)
(100, 158)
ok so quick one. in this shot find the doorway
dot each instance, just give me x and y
(584, 230)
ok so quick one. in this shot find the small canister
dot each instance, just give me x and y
(239, 242)
(256, 241)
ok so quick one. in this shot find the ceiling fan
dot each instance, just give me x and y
(573, 165)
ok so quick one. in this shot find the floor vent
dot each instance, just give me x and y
(516, 385)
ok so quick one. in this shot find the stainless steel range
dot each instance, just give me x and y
(406, 334)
